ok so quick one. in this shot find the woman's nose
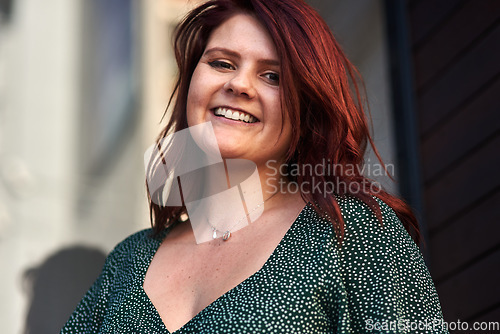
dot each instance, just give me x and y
(241, 84)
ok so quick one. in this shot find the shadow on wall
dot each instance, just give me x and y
(57, 285)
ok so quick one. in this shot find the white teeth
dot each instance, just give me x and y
(235, 115)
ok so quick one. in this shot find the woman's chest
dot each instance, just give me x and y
(283, 296)
(292, 293)
(183, 280)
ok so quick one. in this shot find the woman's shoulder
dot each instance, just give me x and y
(135, 245)
(354, 210)
(368, 240)
(140, 237)
(382, 268)
(362, 223)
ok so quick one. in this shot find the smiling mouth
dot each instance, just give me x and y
(235, 115)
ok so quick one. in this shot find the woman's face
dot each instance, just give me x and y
(236, 86)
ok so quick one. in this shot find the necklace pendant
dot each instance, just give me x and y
(214, 235)
(226, 236)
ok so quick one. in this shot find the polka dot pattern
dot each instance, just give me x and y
(310, 284)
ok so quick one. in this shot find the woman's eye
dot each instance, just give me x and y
(221, 65)
(273, 77)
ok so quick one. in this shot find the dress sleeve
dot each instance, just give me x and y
(89, 314)
(388, 288)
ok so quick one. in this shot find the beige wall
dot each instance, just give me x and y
(48, 201)
(38, 91)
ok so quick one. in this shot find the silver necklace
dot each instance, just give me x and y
(227, 233)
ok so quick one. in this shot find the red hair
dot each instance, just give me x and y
(319, 92)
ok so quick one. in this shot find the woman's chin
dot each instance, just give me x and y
(231, 153)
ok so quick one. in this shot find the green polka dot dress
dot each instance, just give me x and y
(376, 282)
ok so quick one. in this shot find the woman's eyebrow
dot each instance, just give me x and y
(265, 61)
(223, 50)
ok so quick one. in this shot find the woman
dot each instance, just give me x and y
(274, 85)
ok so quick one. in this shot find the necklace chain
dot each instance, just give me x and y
(227, 234)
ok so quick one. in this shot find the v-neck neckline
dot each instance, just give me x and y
(280, 245)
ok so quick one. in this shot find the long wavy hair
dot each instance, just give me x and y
(319, 91)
